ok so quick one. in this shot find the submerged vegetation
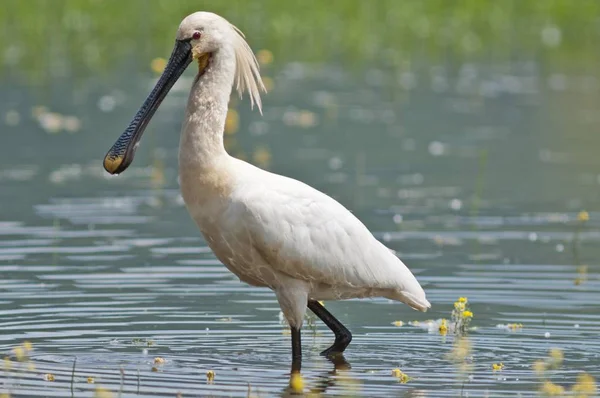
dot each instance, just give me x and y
(584, 386)
(45, 38)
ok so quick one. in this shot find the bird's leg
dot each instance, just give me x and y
(343, 337)
(296, 350)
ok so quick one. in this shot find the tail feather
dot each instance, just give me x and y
(404, 286)
(419, 303)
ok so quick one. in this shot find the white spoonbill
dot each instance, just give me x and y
(269, 230)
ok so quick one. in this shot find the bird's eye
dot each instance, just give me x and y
(196, 35)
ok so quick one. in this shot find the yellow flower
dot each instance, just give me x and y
(402, 377)
(159, 361)
(467, 314)
(398, 323)
(556, 357)
(7, 363)
(552, 390)
(583, 216)
(90, 380)
(539, 367)
(459, 306)
(210, 376)
(443, 327)
(296, 382)
(49, 377)
(585, 386)
(28, 346)
(19, 353)
(496, 367)
(462, 299)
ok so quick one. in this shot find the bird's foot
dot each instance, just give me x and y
(338, 346)
(332, 352)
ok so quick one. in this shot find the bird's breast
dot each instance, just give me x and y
(208, 200)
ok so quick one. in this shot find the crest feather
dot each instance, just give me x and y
(247, 70)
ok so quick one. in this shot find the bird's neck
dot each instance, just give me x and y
(201, 144)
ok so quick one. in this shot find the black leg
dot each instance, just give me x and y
(296, 350)
(343, 337)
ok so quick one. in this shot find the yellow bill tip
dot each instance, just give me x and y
(112, 163)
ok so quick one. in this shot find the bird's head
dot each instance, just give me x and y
(206, 32)
(200, 36)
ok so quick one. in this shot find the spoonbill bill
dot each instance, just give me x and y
(269, 230)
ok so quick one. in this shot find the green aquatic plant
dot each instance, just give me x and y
(461, 315)
(142, 342)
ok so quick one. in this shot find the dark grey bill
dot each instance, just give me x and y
(120, 156)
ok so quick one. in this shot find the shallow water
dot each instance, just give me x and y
(477, 187)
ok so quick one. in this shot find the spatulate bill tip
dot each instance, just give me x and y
(114, 164)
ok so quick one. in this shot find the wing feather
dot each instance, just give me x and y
(308, 235)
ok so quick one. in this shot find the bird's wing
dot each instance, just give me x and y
(308, 235)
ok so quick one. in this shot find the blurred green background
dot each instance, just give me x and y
(46, 38)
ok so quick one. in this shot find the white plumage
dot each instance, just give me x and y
(269, 230)
(275, 231)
